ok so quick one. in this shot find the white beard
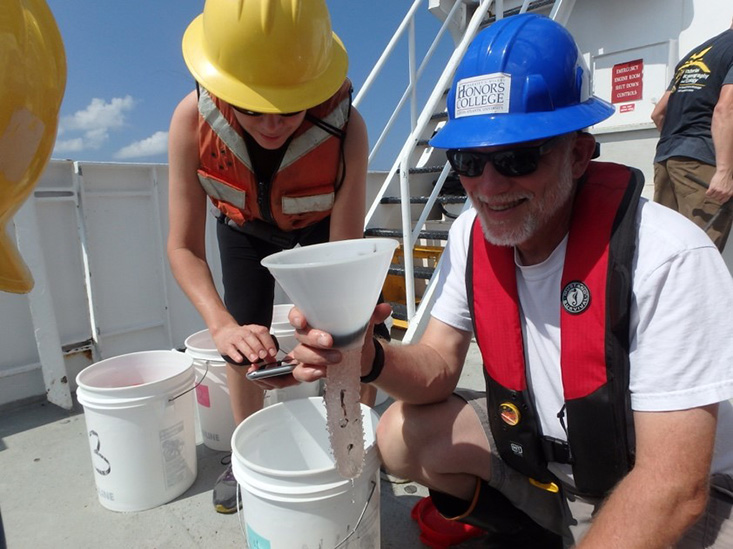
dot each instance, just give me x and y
(540, 211)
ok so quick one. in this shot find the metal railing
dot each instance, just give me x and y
(402, 162)
(560, 10)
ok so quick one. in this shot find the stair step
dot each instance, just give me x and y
(442, 199)
(399, 311)
(397, 233)
(425, 169)
(420, 272)
(533, 6)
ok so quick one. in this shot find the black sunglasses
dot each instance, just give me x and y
(255, 113)
(509, 162)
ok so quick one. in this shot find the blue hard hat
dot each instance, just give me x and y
(521, 79)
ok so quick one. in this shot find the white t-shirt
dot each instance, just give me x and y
(681, 352)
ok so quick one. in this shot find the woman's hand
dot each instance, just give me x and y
(244, 344)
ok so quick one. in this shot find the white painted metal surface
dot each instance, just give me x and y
(103, 286)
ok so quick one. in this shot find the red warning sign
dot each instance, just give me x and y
(627, 81)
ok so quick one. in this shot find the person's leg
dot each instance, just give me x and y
(689, 179)
(248, 296)
(441, 446)
(663, 191)
(715, 528)
(249, 291)
(445, 447)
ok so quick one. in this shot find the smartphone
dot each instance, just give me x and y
(272, 369)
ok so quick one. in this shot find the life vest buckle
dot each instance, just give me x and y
(549, 486)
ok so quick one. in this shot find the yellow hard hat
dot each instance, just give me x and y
(269, 56)
(32, 82)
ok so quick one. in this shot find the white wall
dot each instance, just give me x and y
(104, 224)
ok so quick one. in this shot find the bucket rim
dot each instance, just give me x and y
(335, 483)
(206, 353)
(81, 385)
(268, 471)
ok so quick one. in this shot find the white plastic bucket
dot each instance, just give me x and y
(282, 329)
(140, 422)
(212, 393)
(285, 334)
(292, 495)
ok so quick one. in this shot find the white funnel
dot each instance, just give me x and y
(335, 284)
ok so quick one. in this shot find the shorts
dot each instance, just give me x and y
(249, 288)
(571, 516)
(680, 183)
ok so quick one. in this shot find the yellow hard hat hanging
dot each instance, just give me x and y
(269, 56)
(32, 83)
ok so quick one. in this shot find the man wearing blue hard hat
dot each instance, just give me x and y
(606, 420)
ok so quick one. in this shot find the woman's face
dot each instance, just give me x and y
(271, 131)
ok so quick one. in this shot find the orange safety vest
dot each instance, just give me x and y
(594, 331)
(301, 192)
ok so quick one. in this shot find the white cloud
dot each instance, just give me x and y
(100, 115)
(68, 146)
(95, 123)
(154, 145)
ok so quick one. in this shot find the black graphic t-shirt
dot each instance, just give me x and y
(695, 88)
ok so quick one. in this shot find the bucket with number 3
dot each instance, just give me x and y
(140, 418)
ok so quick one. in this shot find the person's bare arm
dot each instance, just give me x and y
(666, 491)
(721, 185)
(347, 216)
(660, 111)
(420, 373)
(186, 242)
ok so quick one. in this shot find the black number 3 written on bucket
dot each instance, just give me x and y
(95, 450)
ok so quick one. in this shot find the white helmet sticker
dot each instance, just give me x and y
(484, 94)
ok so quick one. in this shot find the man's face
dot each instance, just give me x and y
(532, 211)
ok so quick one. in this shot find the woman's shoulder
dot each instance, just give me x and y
(187, 107)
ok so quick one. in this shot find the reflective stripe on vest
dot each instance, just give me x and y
(594, 321)
(221, 191)
(221, 127)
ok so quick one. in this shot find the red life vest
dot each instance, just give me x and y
(302, 190)
(594, 328)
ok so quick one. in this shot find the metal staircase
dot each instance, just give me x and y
(411, 204)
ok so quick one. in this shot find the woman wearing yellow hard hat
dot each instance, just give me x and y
(270, 136)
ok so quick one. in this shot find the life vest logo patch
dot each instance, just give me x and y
(575, 297)
(517, 449)
(509, 413)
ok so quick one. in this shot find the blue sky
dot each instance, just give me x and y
(126, 73)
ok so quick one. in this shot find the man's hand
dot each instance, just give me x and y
(721, 187)
(315, 353)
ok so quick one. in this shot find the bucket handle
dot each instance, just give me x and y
(240, 516)
(358, 522)
(199, 382)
